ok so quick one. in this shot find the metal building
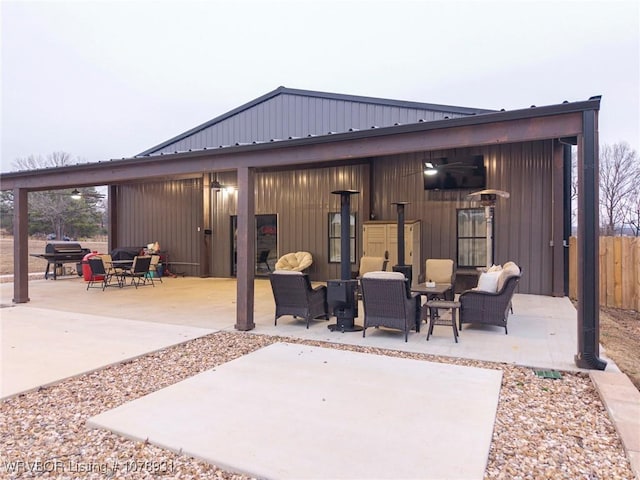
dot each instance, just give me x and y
(285, 152)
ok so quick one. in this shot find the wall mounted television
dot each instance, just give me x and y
(455, 173)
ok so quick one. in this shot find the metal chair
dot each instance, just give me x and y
(139, 271)
(101, 277)
(153, 268)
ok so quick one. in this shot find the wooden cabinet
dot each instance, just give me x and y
(380, 236)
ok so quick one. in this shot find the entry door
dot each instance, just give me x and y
(266, 243)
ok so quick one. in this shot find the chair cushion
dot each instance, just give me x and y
(286, 272)
(297, 261)
(488, 281)
(370, 264)
(495, 268)
(509, 269)
(439, 270)
(385, 275)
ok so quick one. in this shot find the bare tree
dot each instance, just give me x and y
(618, 178)
(57, 212)
(632, 210)
(34, 162)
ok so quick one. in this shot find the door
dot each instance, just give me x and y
(266, 242)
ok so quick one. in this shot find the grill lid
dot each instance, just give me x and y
(63, 247)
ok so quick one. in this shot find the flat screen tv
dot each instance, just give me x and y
(455, 173)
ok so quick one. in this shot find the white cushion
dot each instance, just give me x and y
(488, 281)
(385, 275)
(287, 272)
(495, 268)
(509, 269)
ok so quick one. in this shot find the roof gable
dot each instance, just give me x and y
(290, 113)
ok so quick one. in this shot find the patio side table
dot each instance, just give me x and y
(435, 319)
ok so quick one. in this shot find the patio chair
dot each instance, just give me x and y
(370, 264)
(388, 302)
(153, 268)
(489, 307)
(101, 277)
(441, 270)
(139, 271)
(294, 295)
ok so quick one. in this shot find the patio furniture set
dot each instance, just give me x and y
(389, 300)
(106, 272)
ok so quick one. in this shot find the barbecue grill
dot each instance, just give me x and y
(59, 253)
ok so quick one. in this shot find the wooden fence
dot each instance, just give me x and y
(619, 271)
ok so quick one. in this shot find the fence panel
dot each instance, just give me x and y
(619, 262)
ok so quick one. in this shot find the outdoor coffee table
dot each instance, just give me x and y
(434, 319)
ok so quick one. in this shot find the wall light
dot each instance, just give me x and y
(75, 194)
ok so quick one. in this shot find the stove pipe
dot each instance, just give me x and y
(400, 209)
(345, 232)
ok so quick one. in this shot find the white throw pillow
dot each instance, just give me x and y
(488, 281)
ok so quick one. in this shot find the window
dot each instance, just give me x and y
(334, 237)
(472, 237)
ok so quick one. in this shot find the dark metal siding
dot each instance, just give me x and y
(288, 115)
(169, 213)
(522, 223)
(302, 199)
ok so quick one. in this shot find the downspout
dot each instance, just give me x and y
(566, 211)
(588, 246)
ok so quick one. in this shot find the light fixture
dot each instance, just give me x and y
(216, 185)
(75, 194)
(430, 169)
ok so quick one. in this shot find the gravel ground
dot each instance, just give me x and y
(544, 428)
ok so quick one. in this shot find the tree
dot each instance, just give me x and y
(632, 210)
(55, 211)
(618, 178)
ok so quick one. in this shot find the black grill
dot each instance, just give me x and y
(59, 253)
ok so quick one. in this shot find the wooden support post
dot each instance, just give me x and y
(20, 246)
(246, 249)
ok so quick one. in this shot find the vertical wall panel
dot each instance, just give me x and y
(169, 213)
(522, 223)
(302, 200)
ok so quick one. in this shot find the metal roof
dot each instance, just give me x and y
(286, 113)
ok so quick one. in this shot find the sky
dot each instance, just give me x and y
(105, 80)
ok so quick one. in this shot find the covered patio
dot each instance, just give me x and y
(64, 318)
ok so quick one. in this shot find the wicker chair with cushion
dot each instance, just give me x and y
(295, 262)
(370, 264)
(388, 302)
(294, 295)
(490, 307)
(441, 270)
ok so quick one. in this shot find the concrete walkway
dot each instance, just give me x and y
(130, 322)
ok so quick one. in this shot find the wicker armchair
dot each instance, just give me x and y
(388, 302)
(294, 295)
(488, 308)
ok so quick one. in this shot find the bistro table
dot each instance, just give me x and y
(430, 293)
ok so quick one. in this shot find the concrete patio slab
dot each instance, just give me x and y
(291, 411)
(40, 346)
